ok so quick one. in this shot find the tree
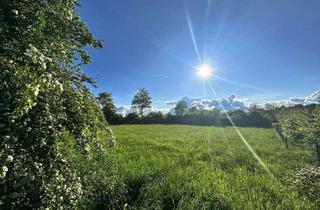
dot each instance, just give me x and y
(181, 108)
(141, 101)
(132, 118)
(302, 126)
(154, 118)
(312, 130)
(258, 119)
(239, 117)
(43, 99)
(279, 130)
(108, 108)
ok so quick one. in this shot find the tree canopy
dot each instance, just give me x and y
(181, 108)
(141, 101)
(108, 107)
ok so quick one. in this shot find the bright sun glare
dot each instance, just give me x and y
(205, 71)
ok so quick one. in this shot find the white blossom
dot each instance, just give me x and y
(36, 90)
(14, 11)
(112, 142)
(4, 168)
(9, 158)
(4, 171)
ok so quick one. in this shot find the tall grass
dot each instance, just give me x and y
(190, 167)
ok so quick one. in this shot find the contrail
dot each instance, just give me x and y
(240, 134)
(192, 35)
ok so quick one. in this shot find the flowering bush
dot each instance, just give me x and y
(303, 127)
(43, 97)
(307, 181)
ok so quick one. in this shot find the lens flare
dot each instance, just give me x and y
(245, 142)
(205, 71)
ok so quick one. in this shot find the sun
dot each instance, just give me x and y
(205, 71)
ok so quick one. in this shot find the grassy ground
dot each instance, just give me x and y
(191, 167)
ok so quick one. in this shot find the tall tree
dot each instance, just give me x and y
(43, 98)
(107, 105)
(181, 108)
(141, 101)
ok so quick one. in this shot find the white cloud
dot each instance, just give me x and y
(171, 103)
(315, 96)
(232, 102)
(124, 110)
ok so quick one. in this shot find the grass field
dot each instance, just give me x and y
(192, 167)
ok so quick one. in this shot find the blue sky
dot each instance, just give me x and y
(262, 50)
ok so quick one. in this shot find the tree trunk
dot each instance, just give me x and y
(283, 138)
(141, 112)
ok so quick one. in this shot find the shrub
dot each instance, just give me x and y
(44, 95)
(307, 181)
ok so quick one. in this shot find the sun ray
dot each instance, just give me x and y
(209, 2)
(245, 142)
(192, 35)
(167, 51)
(151, 36)
(239, 83)
(204, 89)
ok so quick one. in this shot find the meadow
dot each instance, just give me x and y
(198, 167)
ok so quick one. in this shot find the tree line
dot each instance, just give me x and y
(141, 105)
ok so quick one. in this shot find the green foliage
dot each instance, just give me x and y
(154, 118)
(193, 167)
(132, 118)
(101, 183)
(258, 119)
(307, 182)
(302, 126)
(44, 95)
(240, 118)
(181, 108)
(194, 116)
(108, 107)
(141, 101)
